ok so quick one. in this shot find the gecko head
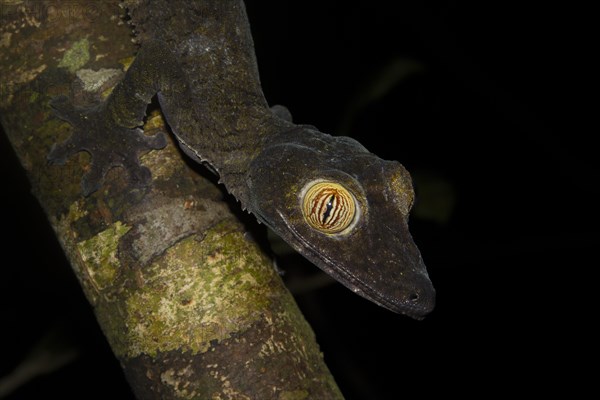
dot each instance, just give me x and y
(346, 210)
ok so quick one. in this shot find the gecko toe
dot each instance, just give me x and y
(57, 154)
(61, 152)
(89, 186)
(157, 142)
(63, 109)
(93, 179)
(139, 175)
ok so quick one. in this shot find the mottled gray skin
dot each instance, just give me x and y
(207, 84)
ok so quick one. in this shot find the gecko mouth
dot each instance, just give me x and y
(416, 304)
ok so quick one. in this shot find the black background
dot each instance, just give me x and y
(496, 115)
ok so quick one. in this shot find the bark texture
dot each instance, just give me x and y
(189, 302)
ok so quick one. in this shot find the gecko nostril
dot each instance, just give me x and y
(413, 297)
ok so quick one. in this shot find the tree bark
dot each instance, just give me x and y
(189, 302)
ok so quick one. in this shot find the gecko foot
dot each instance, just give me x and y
(109, 144)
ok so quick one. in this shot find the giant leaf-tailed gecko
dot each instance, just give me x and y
(340, 206)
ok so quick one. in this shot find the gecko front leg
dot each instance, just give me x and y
(110, 131)
(109, 144)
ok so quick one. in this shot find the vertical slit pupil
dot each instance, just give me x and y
(328, 208)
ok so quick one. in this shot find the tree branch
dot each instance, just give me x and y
(188, 301)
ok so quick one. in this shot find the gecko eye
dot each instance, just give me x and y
(328, 206)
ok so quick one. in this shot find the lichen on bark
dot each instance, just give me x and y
(76, 56)
(99, 255)
(197, 292)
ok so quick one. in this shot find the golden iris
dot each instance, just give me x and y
(328, 207)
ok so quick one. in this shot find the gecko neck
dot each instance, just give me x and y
(231, 121)
(228, 151)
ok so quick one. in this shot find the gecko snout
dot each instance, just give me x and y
(417, 298)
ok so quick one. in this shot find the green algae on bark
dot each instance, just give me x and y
(77, 56)
(99, 255)
(198, 291)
